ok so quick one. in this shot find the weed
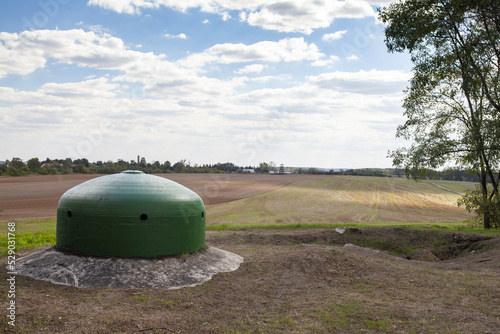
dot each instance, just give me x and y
(28, 240)
(283, 321)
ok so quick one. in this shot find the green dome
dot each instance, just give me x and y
(130, 214)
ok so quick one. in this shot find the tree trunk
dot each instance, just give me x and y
(486, 221)
(484, 189)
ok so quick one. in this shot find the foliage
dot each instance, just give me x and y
(453, 104)
(473, 201)
(16, 167)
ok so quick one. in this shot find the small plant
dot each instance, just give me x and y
(143, 299)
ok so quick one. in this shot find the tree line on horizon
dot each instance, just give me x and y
(17, 167)
(35, 166)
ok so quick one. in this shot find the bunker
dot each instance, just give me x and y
(130, 214)
(129, 230)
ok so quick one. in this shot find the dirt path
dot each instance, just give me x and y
(451, 191)
(37, 196)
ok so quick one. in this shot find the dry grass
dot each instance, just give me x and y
(291, 282)
(343, 199)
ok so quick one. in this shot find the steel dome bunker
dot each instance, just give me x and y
(130, 214)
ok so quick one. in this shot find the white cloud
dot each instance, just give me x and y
(254, 68)
(363, 82)
(180, 36)
(333, 36)
(286, 50)
(353, 57)
(143, 94)
(301, 16)
(242, 16)
(225, 16)
(30, 50)
(325, 62)
(87, 89)
(206, 21)
(126, 7)
(23, 53)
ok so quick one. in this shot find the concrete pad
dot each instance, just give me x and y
(163, 273)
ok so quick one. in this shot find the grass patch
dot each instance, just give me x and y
(28, 240)
(42, 232)
(352, 315)
(446, 227)
(32, 226)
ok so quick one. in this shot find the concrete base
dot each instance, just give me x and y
(165, 273)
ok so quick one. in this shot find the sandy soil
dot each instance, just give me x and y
(37, 196)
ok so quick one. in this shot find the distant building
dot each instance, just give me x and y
(248, 170)
(46, 164)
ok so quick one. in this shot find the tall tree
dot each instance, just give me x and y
(34, 164)
(452, 105)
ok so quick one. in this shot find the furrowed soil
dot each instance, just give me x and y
(372, 280)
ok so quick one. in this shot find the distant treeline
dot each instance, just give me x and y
(450, 174)
(16, 167)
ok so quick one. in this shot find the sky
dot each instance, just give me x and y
(296, 82)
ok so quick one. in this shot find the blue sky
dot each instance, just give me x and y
(303, 83)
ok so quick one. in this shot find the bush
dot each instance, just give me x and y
(474, 202)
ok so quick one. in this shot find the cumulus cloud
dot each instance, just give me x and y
(24, 52)
(144, 93)
(180, 36)
(286, 50)
(333, 36)
(27, 51)
(254, 68)
(363, 82)
(325, 62)
(100, 87)
(280, 15)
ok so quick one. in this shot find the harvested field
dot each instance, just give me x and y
(344, 199)
(269, 199)
(37, 196)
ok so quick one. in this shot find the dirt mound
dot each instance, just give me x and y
(404, 242)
